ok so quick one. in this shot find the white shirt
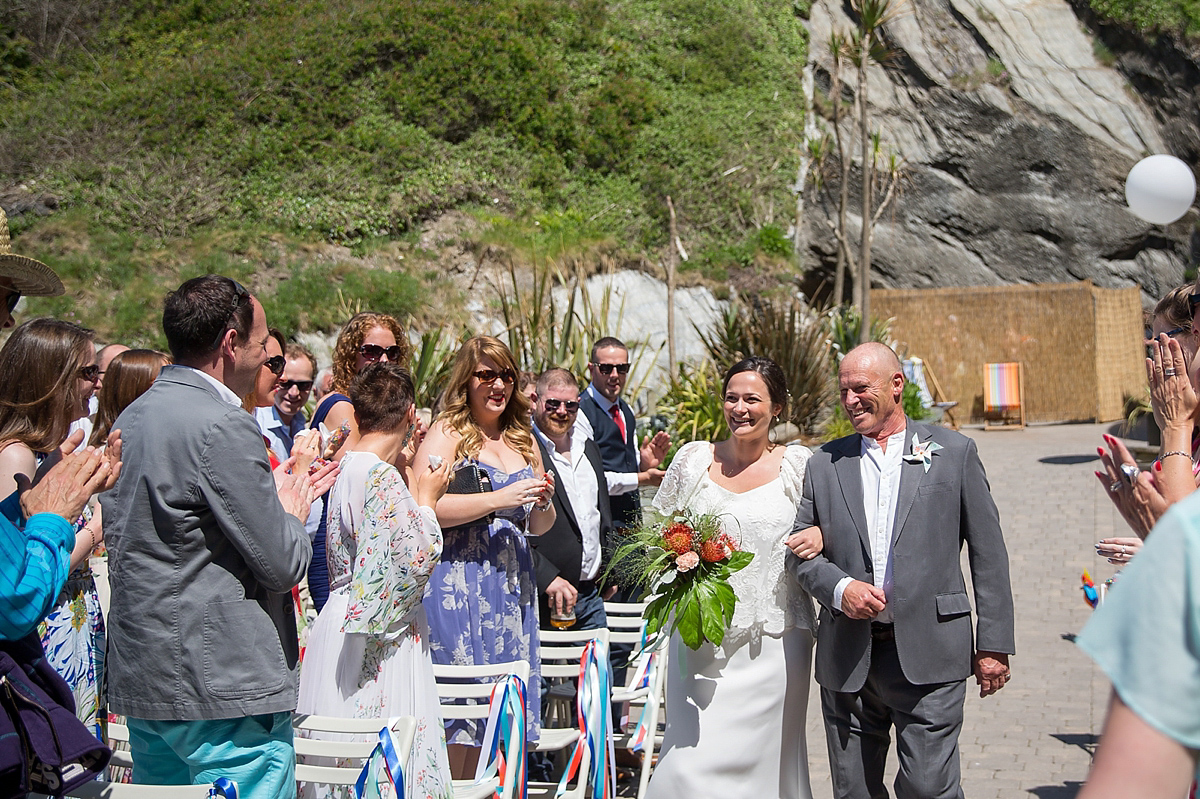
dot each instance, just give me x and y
(280, 436)
(225, 391)
(577, 478)
(618, 482)
(880, 472)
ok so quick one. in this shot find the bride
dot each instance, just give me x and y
(736, 713)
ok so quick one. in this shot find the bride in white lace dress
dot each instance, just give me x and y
(736, 713)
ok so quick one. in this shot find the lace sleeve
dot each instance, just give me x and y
(682, 476)
(795, 459)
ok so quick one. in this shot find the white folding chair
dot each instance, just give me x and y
(116, 790)
(118, 741)
(625, 624)
(474, 685)
(561, 653)
(346, 742)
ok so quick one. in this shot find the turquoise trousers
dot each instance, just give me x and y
(255, 751)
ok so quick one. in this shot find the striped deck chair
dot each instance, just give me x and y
(1003, 396)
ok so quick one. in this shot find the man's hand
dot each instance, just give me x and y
(862, 600)
(297, 489)
(654, 450)
(991, 672)
(68, 486)
(562, 595)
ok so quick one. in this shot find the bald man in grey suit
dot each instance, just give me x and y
(895, 502)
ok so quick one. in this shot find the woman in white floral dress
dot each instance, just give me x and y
(368, 651)
(736, 713)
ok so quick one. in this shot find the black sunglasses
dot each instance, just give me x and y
(607, 368)
(570, 406)
(304, 385)
(373, 352)
(275, 363)
(14, 297)
(239, 295)
(489, 376)
(90, 373)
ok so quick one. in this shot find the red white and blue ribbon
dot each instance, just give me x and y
(385, 758)
(643, 677)
(223, 788)
(594, 704)
(504, 736)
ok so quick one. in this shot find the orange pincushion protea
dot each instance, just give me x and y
(713, 550)
(678, 538)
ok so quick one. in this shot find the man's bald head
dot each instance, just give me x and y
(870, 383)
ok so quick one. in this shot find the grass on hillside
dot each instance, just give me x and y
(1152, 16)
(356, 120)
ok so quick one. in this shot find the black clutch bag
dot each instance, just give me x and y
(470, 479)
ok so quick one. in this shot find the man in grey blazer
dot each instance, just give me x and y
(204, 550)
(895, 502)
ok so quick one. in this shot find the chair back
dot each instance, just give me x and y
(343, 739)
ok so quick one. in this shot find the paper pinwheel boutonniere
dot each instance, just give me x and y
(922, 452)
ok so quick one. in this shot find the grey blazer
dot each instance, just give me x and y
(202, 558)
(937, 512)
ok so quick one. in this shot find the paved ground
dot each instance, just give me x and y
(1035, 737)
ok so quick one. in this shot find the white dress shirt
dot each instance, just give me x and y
(880, 473)
(577, 479)
(280, 435)
(618, 482)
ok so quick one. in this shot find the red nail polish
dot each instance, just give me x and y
(1100, 451)
(1157, 466)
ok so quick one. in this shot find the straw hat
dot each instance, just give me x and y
(31, 278)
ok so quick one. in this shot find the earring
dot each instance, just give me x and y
(407, 437)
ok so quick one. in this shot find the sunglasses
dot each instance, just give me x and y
(570, 406)
(14, 297)
(90, 373)
(373, 352)
(239, 295)
(1175, 331)
(489, 376)
(607, 368)
(275, 363)
(303, 385)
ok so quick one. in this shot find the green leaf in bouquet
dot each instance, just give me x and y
(726, 598)
(668, 577)
(687, 622)
(739, 560)
(713, 624)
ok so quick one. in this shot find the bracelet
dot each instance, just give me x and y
(1187, 455)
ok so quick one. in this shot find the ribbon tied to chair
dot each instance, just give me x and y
(504, 736)
(385, 758)
(223, 788)
(594, 704)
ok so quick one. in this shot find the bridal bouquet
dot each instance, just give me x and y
(684, 561)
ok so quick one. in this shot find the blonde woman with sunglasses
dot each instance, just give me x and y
(482, 597)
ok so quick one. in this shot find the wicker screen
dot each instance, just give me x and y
(1080, 345)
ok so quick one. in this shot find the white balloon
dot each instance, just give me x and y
(1160, 189)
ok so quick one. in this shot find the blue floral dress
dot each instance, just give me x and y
(74, 639)
(482, 603)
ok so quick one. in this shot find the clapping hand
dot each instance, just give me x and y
(1139, 500)
(654, 450)
(1172, 395)
(71, 482)
(430, 483)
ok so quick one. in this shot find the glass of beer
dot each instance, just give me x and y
(562, 619)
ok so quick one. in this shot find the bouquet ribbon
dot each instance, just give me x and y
(387, 755)
(505, 726)
(594, 705)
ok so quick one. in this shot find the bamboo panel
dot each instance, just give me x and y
(1070, 337)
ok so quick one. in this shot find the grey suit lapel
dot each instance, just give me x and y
(911, 475)
(850, 479)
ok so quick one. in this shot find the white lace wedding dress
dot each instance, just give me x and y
(736, 714)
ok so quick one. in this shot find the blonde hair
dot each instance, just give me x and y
(515, 427)
(345, 351)
(1176, 307)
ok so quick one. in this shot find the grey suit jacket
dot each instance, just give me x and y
(201, 559)
(936, 514)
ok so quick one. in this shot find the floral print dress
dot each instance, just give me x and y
(74, 639)
(482, 603)
(368, 650)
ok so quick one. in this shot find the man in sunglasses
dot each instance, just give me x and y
(609, 421)
(281, 421)
(204, 549)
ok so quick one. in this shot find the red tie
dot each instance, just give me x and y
(619, 418)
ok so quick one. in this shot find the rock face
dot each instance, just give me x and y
(1017, 141)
